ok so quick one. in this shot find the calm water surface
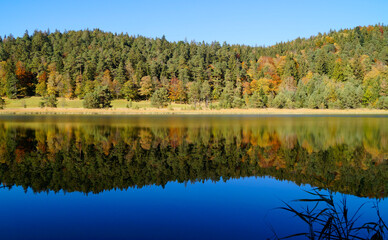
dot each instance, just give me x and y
(188, 177)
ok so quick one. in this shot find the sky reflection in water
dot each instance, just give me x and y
(240, 208)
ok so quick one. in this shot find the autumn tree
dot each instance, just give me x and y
(25, 83)
(176, 91)
(145, 86)
(75, 63)
(41, 87)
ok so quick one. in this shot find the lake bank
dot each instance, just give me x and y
(178, 111)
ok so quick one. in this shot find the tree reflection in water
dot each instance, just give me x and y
(347, 155)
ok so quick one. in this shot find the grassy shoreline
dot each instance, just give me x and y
(30, 105)
(165, 111)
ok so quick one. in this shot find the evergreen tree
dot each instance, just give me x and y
(129, 91)
(11, 80)
(160, 97)
(193, 92)
(238, 102)
(226, 99)
(73, 63)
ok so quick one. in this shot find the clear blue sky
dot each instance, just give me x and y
(243, 22)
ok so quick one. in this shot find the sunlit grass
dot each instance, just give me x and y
(33, 102)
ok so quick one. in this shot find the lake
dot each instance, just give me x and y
(184, 177)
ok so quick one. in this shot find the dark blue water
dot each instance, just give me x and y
(235, 194)
(236, 209)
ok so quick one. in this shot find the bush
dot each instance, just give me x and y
(91, 101)
(383, 103)
(2, 103)
(101, 97)
(49, 101)
(350, 96)
(159, 98)
(24, 104)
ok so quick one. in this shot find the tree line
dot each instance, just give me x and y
(339, 69)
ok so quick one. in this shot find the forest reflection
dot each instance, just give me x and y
(343, 154)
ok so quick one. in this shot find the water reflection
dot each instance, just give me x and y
(89, 154)
(327, 217)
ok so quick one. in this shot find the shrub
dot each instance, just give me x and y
(101, 97)
(159, 98)
(91, 101)
(383, 103)
(2, 103)
(24, 104)
(49, 101)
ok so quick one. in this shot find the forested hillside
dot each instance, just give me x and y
(339, 69)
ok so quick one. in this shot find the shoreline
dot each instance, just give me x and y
(165, 111)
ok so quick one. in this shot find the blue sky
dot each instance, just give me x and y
(243, 22)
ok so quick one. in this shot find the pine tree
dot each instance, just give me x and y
(226, 99)
(11, 80)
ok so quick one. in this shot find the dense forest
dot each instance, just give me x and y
(86, 157)
(339, 69)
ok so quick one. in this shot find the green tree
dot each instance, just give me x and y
(254, 101)
(350, 96)
(238, 102)
(290, 68)
(226, 99)
(383, 103)
(11, 80)
(99, 98)
(160, 97)
(193, 92)
(338, 71)
(321, 65)
(129, 91)
(2, 103)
